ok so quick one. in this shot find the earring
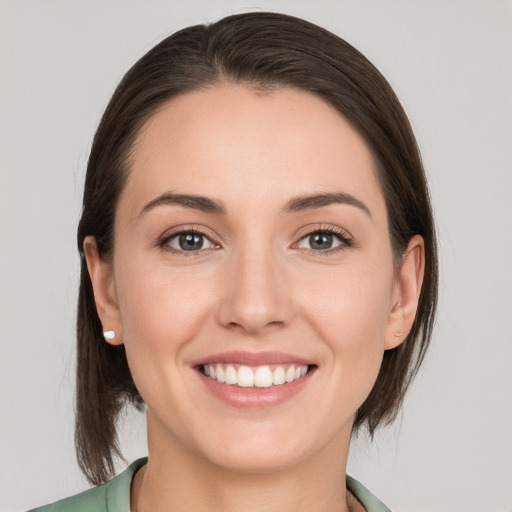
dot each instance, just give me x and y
(398, 334)
(109, 335)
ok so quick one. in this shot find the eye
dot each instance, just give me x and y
(324, 240)
(188, 241)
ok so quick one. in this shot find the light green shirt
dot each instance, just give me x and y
(114, 496)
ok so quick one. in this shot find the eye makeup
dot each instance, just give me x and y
(189, 240)
(335, 238)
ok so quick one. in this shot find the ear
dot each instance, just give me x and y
(407, 293)
(103, 284)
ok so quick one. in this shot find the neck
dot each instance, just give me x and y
(177, 479)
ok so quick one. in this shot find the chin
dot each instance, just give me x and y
(254, 460)
(262, 448)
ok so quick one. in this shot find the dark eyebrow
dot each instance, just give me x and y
(193, 202)
(313, 201)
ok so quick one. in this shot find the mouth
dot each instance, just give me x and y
(264, 376)
(248, 380)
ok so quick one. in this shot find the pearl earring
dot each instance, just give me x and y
(398, 334)
(109, 335)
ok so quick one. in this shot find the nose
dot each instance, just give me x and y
(256, 297)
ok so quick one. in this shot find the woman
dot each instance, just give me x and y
(258, 270)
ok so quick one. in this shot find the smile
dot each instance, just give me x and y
(248, 380)
(254, 376)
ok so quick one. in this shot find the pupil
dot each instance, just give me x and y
(320, 241)
(191, 242)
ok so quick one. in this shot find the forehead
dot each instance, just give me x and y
(233, 142)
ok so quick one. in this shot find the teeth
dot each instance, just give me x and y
(245, 377)
(279, 376)
(263, 377)
(231, 375)
(259, 377)
(221, 376)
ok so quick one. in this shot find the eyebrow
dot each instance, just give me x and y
(296, 204)
(193, 202)
(314, 201)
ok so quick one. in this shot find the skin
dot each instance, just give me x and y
(256, 287)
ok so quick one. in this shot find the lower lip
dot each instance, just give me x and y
(255, 398)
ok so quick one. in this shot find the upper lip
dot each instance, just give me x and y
(252, 358)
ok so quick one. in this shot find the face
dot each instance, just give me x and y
(252, 281)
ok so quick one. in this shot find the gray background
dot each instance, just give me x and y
(450, 63)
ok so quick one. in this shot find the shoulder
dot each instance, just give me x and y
(114, 496)
(365, 497)
(93, 500)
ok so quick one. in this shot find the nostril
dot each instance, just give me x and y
(248, 327)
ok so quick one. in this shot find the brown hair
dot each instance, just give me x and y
(261, 50)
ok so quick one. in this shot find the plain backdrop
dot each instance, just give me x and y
(450, 62)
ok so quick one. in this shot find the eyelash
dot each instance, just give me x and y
(343, 237)
(164, 242)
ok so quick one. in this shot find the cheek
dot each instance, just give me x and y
(350, 312)
(350, 301)
(159, 306)
(161, 312)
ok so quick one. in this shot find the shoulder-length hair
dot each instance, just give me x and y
(264, 51)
